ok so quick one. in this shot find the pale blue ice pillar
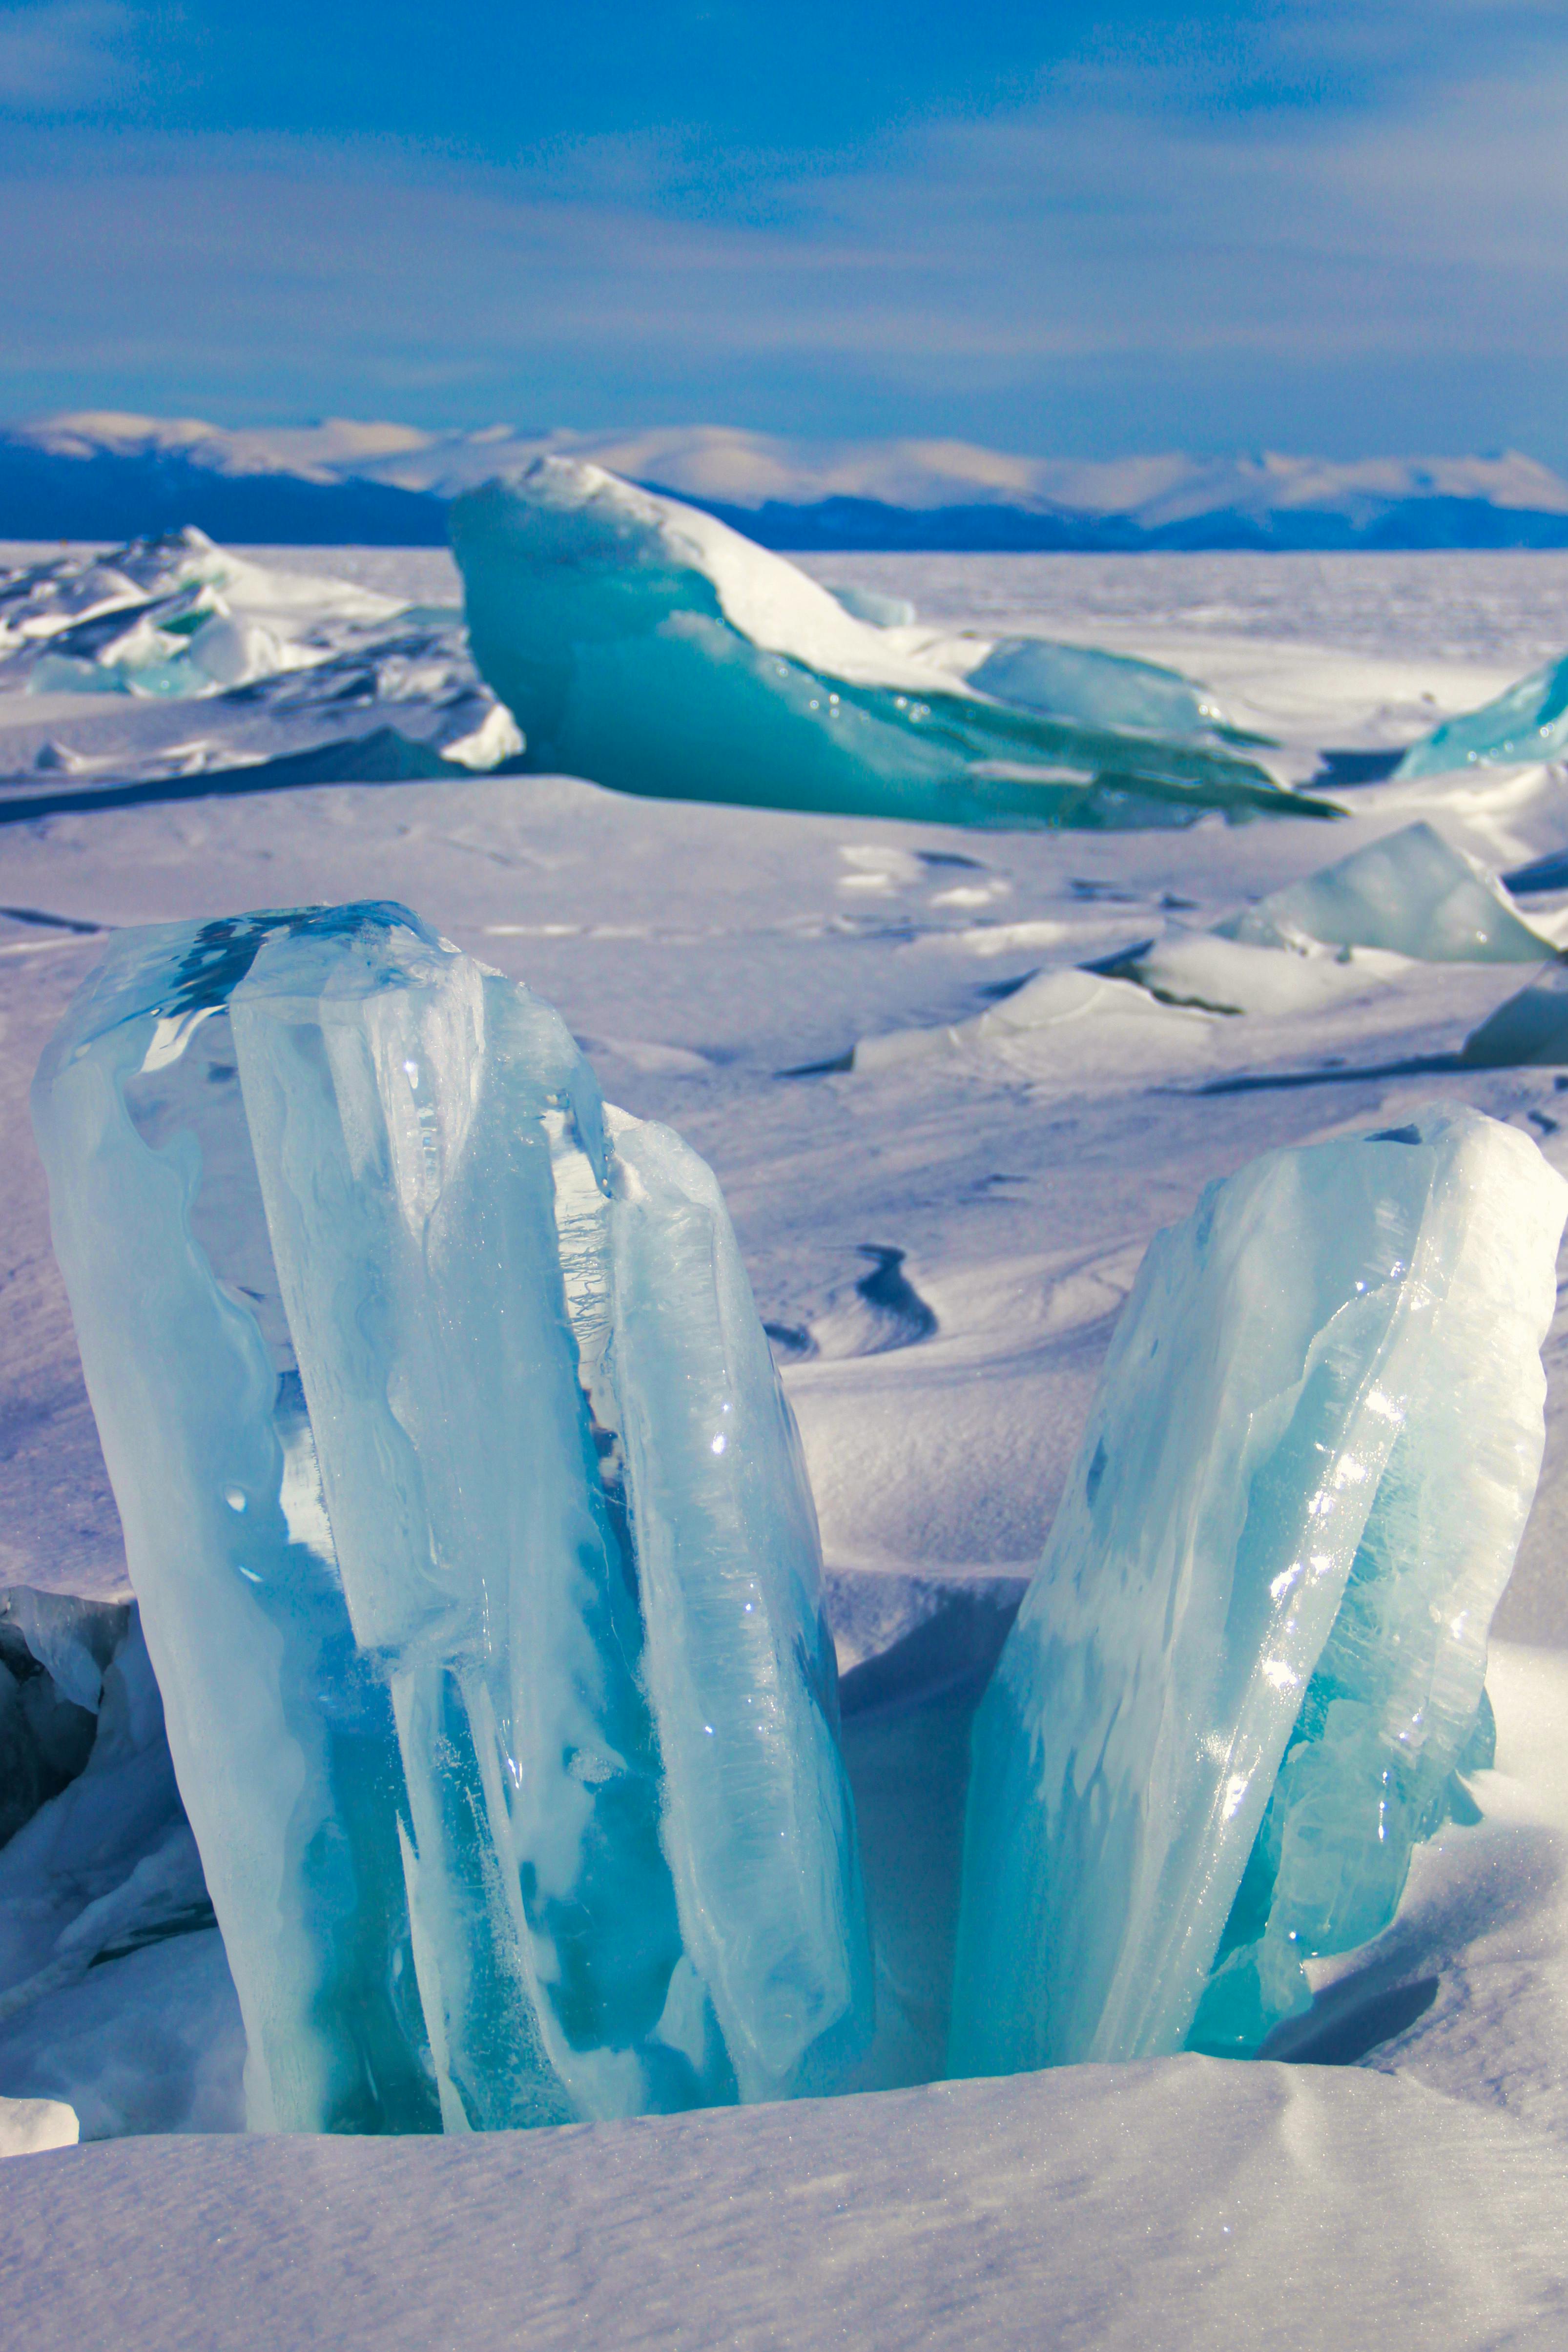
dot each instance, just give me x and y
(384, 1178)
(1254, 1648)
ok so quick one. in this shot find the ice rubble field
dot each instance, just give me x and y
(940, 1238)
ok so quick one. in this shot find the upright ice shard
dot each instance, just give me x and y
(1528, 723)
(1254, 1651)
(648, 646)
(496, 1685)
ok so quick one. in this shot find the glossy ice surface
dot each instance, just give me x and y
(1254, 1651)
(648, 646)
(1528, 723)
(475, 1552)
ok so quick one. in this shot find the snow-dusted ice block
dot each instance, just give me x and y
(1528, 723)
(1254, 1650)
(388, 1347)
(648, 646)
(1412, 893)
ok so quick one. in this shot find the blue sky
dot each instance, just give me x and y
(1073, 229)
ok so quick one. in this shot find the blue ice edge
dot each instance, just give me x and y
(478, 1563)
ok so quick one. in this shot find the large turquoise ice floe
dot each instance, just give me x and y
(473, 1542)
(1254, 1652)
(649, 648)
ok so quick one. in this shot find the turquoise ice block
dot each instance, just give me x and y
(1254, 1648)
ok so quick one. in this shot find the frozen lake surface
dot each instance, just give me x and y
(939, 1245)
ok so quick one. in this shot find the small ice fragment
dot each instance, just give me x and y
(1526, 724)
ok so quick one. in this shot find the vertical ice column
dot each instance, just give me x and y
(758, 1823)
(1312, 1452)
(281, 1730)
(389, 1348)
(397, 1100)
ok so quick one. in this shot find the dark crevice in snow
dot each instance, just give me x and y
(1353, 2031)
(901, 1314)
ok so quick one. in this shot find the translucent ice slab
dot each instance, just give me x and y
(1411, 893)
(649, 648)
(475, 1551)
(1099, 690)
(1528, 723)
(1254, 1651)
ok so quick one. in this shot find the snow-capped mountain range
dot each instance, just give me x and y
(108, 476)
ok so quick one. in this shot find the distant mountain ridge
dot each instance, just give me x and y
(105, 476)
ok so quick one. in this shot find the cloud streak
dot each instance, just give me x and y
(57, 56)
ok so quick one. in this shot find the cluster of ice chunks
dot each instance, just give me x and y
(1254, 1653)
(648, 646)
(473, 1542)
(1411, 894)
(1526, 724)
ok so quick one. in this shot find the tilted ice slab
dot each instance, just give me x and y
(648, 646)
(1343, 931)
(1410, 894)
(1254, 1651)
(1528, 723)
(473, 1541)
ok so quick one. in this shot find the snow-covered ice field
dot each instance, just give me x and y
(940, 1245)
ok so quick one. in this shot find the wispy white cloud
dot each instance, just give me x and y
(57, 56)
(1098, 265)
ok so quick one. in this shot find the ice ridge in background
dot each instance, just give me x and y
(1526, 724)
(649, 648)
(1254, 1651)
(177, 619)
(473, 1544)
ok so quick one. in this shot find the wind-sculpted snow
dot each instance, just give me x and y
(474, 1547)
(1253, 1654)
(1351, 929)
(178, 620)
(1526, 724)
(648, 646)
